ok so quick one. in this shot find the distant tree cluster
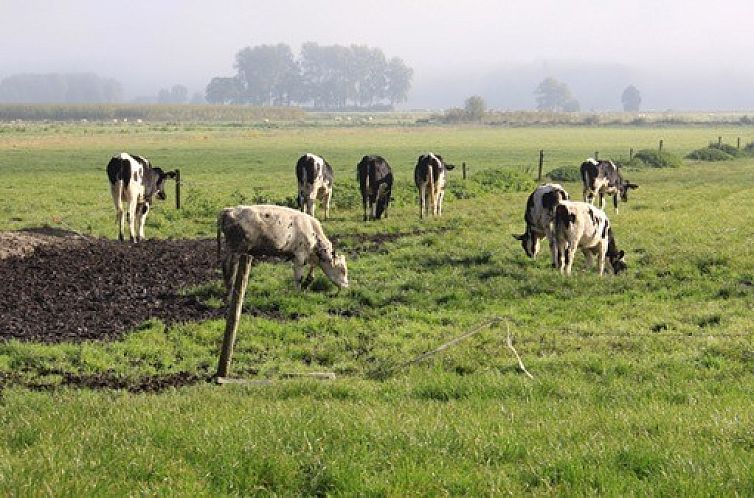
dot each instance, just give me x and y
(553, 95)
(631, 99)
(178, 94)
(78, 88)
(332, 76)
(473, 110)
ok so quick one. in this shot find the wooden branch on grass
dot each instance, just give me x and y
(509, 342)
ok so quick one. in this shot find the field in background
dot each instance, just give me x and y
(643, 382)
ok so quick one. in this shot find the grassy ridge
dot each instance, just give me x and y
(643, 383)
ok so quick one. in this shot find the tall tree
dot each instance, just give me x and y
(554, 95)
(399, 77)
(631, 99)
(474, 108)
(268, 72)
(225, 91)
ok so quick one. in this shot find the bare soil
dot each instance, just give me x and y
(57, 286)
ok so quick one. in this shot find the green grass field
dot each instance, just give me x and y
(643, 383)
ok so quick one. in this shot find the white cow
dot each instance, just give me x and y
(134, 181)
(266, 230)
(581, 225)
(540, 209)
(315, 181)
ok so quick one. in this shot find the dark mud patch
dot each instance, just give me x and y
(76, 288)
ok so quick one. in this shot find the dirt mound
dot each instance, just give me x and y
(68, 288)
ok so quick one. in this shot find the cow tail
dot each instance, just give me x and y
(432, 188)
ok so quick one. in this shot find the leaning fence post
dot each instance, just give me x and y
(178, 189)
(660, 145)
(630, 154)
(463, 165)
(233, 315)
(541, 161)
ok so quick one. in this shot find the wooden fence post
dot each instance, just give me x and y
(178, 189)
(719, 141)
(233, 315)
(630, 154)
(660, 145)
(597, 155)
(541, 161)
(463, 165)
(738, 143)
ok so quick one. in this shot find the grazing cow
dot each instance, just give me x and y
(265, 230)
(603, 177)
(315, 181)
(540, 209)
(376, 185)
(429, 176)
(581, 225)
(134, 181)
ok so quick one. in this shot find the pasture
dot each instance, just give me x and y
(643, 383)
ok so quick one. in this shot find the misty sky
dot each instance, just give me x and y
(456, 48)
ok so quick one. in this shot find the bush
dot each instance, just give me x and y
(648, 158)
(491, 180)
(727, 148)
(749, 149)
(565, 174)
(709, 154)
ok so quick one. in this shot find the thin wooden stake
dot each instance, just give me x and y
(660, 145)
(233, 315)
(597, 155)
(178, 189)
(541, 161)
(463, 165)
(738, 143)
(630, 154)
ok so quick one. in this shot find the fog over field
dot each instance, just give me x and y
(681, 54)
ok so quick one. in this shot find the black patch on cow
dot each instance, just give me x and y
(424, 163)
(529, 210)
(550, 199)
(592, 217)
(563, 217)
(614, 256)
(605, 229)
(119, 169)
(306, 170)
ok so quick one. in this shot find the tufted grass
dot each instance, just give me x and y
(643, 382)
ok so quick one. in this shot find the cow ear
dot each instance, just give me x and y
(633, 185)
(621, 253)
(171, 174)
(450, 166)
(519, 237)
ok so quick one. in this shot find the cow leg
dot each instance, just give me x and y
(438, 204)
(364, 202)
(553, 246)
(615, 203)
(588, 256)
(310, 205)
(299, 267)
(230, 268)
(422, 199)
(142, 210)
(326, 202)
(560, 249)
(570, 255)
(602, 200)
(132, 207)
(116, 190)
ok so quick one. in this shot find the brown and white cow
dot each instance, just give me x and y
(429, 176)
(315, 181)
(540, 209)
(135, 182)
(604, 177)
(266, 230)
(376, 185)
(579, 225)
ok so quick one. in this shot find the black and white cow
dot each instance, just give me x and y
(579, 225)
(604, 177)
(376, 185)
(540, 209)
(429, 176)
(315, 181)
(135, 182)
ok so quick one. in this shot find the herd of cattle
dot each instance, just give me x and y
(267, 230)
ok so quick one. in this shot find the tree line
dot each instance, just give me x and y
(333, 77)
(74, 88)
